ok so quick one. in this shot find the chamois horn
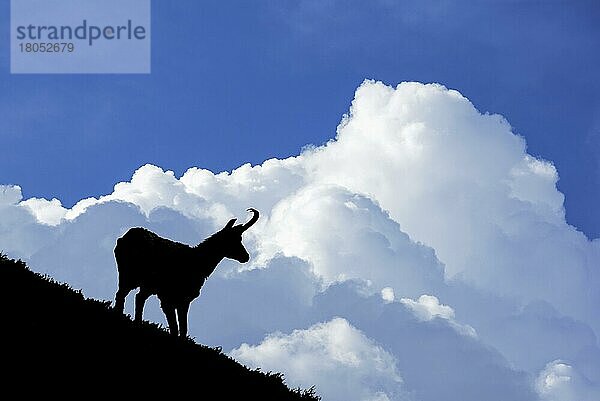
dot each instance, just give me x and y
(250, 222)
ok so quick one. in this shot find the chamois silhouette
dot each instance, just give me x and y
(173, 271)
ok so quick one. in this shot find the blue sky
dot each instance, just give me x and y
(236, 82)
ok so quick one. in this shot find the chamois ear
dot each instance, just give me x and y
(230, 223)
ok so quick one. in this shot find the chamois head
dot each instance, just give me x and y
(232, 237)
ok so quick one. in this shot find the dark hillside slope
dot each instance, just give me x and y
(54, 341)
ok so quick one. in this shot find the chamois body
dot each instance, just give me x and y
(173, 271)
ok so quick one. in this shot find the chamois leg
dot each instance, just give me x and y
(171, 318)
(182, 316)
(140, 300)
(120, 299)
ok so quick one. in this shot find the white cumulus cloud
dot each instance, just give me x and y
(559, 381)
(49, 212)
(428, 307)
(347, 236)
(337, 358)
(418, 198)
(10, 194)
(461, 182)
(387, 294)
